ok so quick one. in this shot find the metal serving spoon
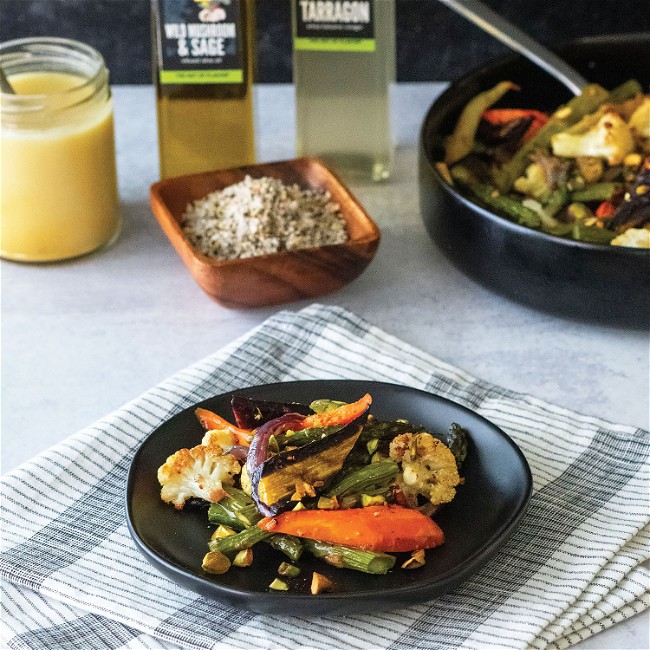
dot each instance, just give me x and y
(490, 21)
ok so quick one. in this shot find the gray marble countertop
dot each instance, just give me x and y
(80, 339)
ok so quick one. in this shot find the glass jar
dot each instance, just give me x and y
(58, 181)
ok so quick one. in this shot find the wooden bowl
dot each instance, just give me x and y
(279, 277)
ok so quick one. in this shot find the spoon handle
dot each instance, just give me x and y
(491, 22)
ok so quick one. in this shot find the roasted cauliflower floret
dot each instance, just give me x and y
(633, 237)
(534, 182)
(640, 125)
(611, 138)
(428, 468)
(200, 472)
(219, 437)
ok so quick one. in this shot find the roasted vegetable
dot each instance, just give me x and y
(338, 416)
(634, 210)
(500, 116)
(323, 405)
(633, 237)
(211, 421)
(533, 183)
(235, 509)
(274, 478)
(428, 468)
(251, 413)
(461, 141)
(592, 96)
(596, 192)
(455, 439)
(376, 528)
(640, 125)
(200, 472)
(346, 557)
(610, 138)
(371, 476)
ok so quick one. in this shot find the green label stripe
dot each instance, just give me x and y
(201, 76)
(335, 44)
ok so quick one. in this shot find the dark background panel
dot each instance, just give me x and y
(432, 42)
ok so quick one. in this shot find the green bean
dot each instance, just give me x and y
(625, 91)
(291, 546)
(596, 192)
(361, 480)
(592, 234)
(556, 201)
(236, 510)
(345, 557)
(511, 207)
(245, 539)
(591, 98)
(305, 436)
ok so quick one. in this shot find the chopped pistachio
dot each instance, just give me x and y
(279, 585)
(370, 500)
(372, 445)
(416, 560)
(320, 584)
(328, 503)
(215, 562)
(244, 558)
(289, 570)
(222, 531)
(349, 501)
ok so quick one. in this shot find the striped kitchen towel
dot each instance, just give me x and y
(73, 578)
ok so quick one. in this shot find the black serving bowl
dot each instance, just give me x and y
(592, 282)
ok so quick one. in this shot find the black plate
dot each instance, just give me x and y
(477, 523)
(570, 278)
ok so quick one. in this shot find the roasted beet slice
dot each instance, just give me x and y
(251, 413)
(634, 210)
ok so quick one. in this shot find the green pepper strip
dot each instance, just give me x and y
(461, 141)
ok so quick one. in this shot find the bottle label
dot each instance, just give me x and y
(200, 42)
(334, 25)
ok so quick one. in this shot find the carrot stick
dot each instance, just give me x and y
(375, 528)
(210, 421)
(341, 415)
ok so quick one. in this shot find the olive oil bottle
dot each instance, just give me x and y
(203, 72)
(343, 66)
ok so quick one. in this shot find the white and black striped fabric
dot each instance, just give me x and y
(72, 577)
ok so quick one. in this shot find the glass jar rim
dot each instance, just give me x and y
(33, 49)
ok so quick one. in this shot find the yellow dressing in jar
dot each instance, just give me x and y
(58, 184)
